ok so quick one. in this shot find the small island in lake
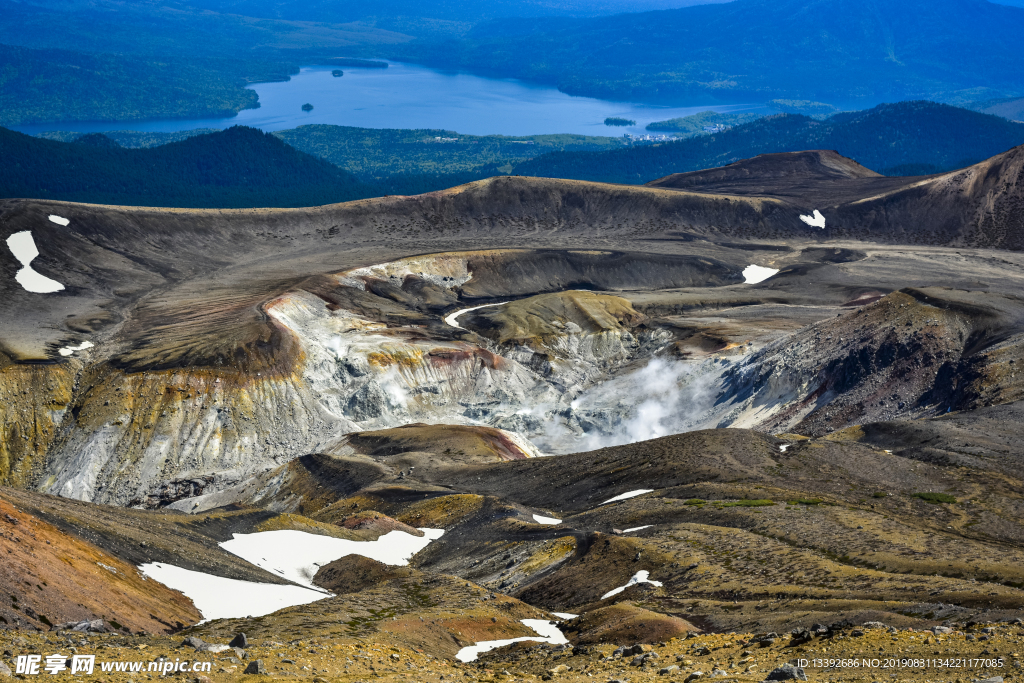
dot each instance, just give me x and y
(337, 73)
(307, 107)
(616, 121)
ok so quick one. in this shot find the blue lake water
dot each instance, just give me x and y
(411, 96)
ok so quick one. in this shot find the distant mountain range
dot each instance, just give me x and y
(244, 167)
(908, 138)
(837, 51)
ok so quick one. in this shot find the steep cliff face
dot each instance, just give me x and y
(34, 400)
(361, 350)
(151, 437)
(913, 353)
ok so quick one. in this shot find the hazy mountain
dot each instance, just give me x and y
(838, 51)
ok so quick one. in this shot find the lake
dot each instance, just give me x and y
(411, 96)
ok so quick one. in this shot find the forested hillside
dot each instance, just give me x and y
(239, 167)
(36, 86)
(375, 153)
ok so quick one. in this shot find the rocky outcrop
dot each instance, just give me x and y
(911, 354)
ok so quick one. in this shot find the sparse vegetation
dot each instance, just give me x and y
(935, 498)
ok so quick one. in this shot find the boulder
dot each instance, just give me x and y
(787, 672)
(256, 667)
(194, 642)
(239, 640)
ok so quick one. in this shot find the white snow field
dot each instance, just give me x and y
(59, 220)
(754, 274)
(639, 577)
(627, 494)
(297, 555)
(219, 598)
(23, 246)
(816, 220)
(548, 633)
(452, 317)
(540, 519)
(636, 528)
(565, 615)
(68, 350)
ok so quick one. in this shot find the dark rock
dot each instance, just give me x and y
(239, 641)
(787, 672)
(194, 641)
(256, 668)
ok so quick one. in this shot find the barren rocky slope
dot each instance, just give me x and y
(401, 365)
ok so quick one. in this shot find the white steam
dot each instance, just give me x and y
(662, 398)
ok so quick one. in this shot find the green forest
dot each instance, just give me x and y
(57, 85)
(376, 153)
(689, 126)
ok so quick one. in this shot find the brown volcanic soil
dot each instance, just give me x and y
(813, 180)
(742, 656)
(140, 536)
(625, 623)
(49, 578)
(465, 444)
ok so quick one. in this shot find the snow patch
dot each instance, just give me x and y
(783, 447)
(59, 220)
(636, 528)
(452, 317)
(219, 598)
(546, 520)
(23, 246)
(816, 220)
(754, 274)
(68, 350)
(639, 577)
(627, 494)
(565, 615)
(548, 633)
(297, 555)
